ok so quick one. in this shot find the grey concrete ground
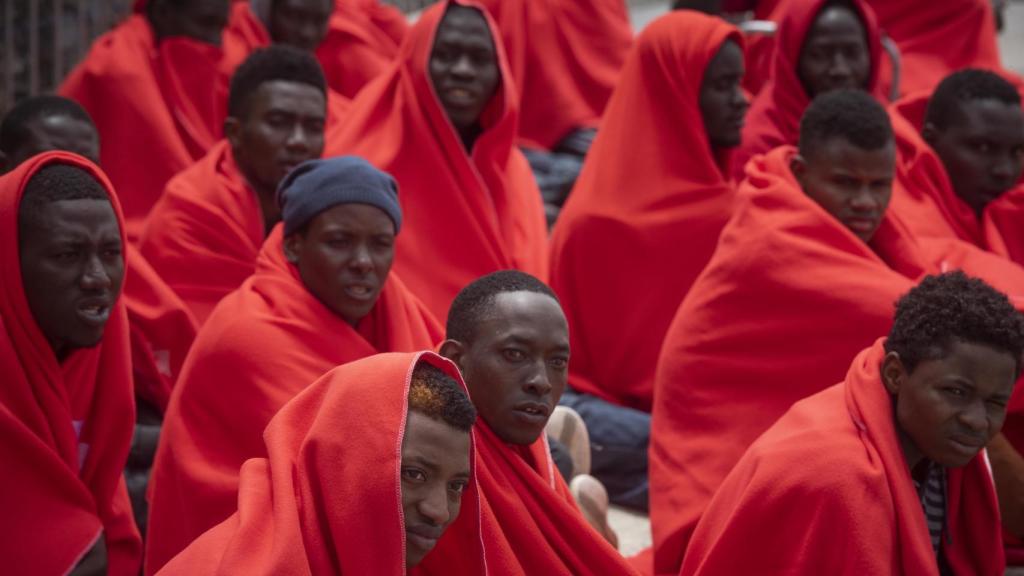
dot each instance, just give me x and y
(635, 529)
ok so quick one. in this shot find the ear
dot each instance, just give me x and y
(798, 166)
(233, 131)
(930, 133)
(894, 373)
(453, 350)
(293, 248)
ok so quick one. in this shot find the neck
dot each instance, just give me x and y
(469, 136)
(911, 454)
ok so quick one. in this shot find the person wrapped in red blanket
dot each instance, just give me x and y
(206, 230)
(334, 491)
(884, 473)
(66, 407)
(153, 86)
(443, 121)
(321, 296)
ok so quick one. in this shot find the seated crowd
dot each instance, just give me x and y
(260, 255)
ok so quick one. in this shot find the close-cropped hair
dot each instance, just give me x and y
(15, 125)
(54, 183)
(475, 300)
(273, 63)
(850, 115)
(967, 85)
(438, 396)
(949, 308)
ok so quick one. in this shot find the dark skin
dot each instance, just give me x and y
(282, 126)
(94, 563)
(344, 257)
(835, 53)
(948, 409)
(464, 69)
(435, 473)
(852, 184)
(201, 20)
(982, 148)
(516, 367)
(72, 270)
(300, 23)
(55, 132)
(723, 106)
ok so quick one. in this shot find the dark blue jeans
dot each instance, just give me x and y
(618, 447)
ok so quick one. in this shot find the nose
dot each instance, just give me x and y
(361, 260)
(309, 33)
(974, 418)
(538, 383)
(434, 505)
(94, 275)
(840, 67)
(1006, 169)
(863, 200)
(739, 99)
(298, 139)
(463, 67)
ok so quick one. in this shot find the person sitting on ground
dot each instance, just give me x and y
(507, 334)
(322, 295)
(961, 156)
(884, 472)
(153, 87)
(66, 408)
(288, 523)
(442, 121)
(605, 240)
(821, 46)
(810, 247)
(204, 234)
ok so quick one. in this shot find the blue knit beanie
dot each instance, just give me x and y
(316, 185)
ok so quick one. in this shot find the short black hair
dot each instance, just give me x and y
(435, 394)
(275, 62)
(949, 308)
(473, 301)
(963, 86)
(14, 128)
(54, 183)
(852, 115)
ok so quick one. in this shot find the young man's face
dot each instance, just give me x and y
(435, 472)
(516, 367)
(948, 409)
(723, 105)
(852, 184)
(835, 53)
(57, 132)
(464, 66)
(982, 150)
(300, 23)
(201, 20)
(72, 270)
(344, 257)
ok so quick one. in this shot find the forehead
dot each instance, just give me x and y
(526, 315)
(839, 155)
(464, 26)
(991, 371)
(836, 24)
(354, 218)
(56, 221)
(728, 60)
(289, 96)
(435, 443)
(988, 117)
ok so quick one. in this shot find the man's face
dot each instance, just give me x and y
(57, 133)
(835, 53)
(982, 149)
(851, 184)
(300, 23)
(201, 20)
(435, 472)
(516, 367)
(344, 257)
(282, 126)
(722, 103)
(947, 410)
(464, 66)
(72, 270)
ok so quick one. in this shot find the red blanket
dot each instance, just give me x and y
(162, 330)
(466, 214)
(204, 234)
(326, 496)
(565, 57)
(361, 43)
(938, 39)
(158, 108)
(530, 522)
(826, 490)
(649, 194)
(774, 116)
(262, 345)
(61, 488)
(924, 197)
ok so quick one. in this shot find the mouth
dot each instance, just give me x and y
(460, 97)
(861, 225)
(362, 292)
(533, 412)
(94, 312)
(422, 538)
(970, 446)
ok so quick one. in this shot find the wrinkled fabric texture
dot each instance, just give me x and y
(158, 108)
(774, 116)
(466, 215)
(925, 199)
(650, 194)
(262, 345)
(61, 488)
(326, 497)
(530, 523)
(565, 57)
(204, 234)
(867, 519)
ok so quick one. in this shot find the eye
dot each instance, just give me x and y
(337, 242)
(955, 391)
(66, 255)
(513, 355)
(560, 363)
(414, 475)
(458, 487)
